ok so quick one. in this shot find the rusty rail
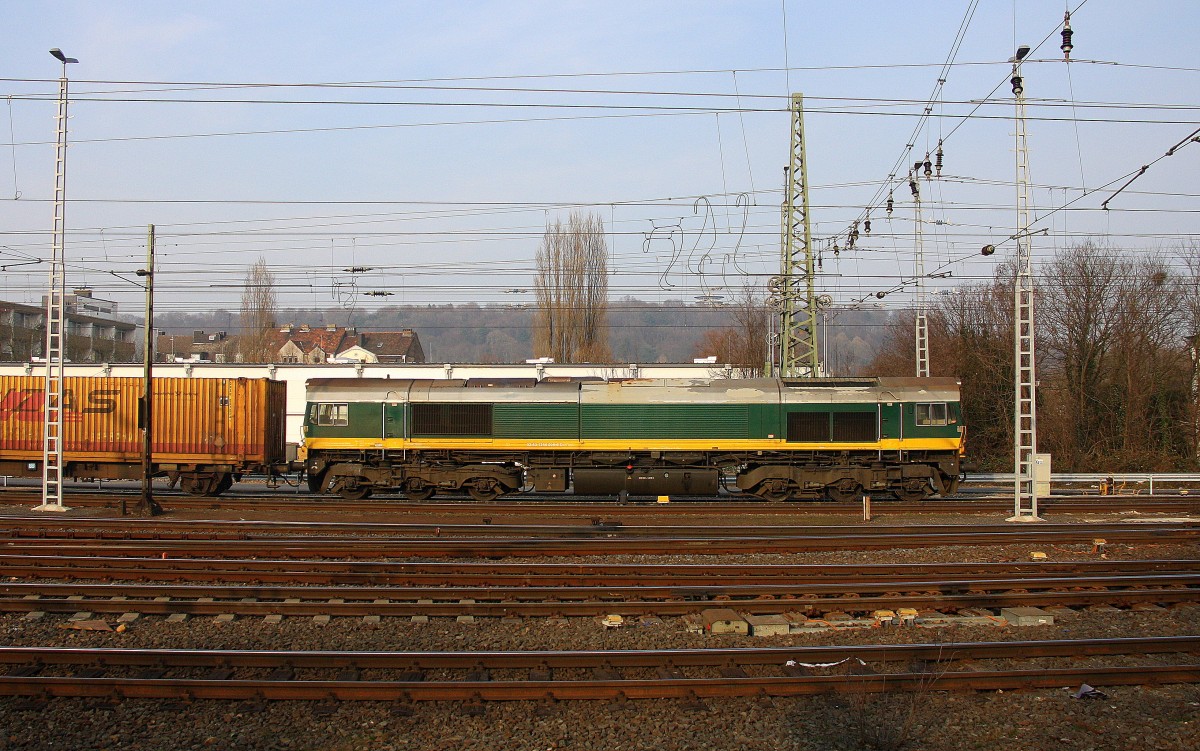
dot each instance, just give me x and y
(551, 506)
(810, 598)
(492, 573)
(374, 541)
(406, 677)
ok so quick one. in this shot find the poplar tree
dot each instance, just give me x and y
(572, 291)
(258, 314)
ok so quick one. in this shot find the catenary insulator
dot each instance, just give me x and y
(928, 167)
(1017, 85)
(867, 224)
(1066, 35)
(938, 163)
(912, 185)
(889, 204)
(881, 295)
(988, 250)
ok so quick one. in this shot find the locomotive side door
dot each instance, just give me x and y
(393, 419)
(891, 420)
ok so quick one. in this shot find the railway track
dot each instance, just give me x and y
(497, 573)
(543, 506)
(406, 677)
(348, 540)
(811, 599)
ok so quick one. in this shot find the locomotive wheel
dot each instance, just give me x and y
(356, 493)
(912, 491)
(845, 490)
(415, 492)
(485, 490)
(774, 491)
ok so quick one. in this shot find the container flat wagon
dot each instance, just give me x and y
(206, 431)
(776, 439)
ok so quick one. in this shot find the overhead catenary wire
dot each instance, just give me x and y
(1192, 137)
(203, 243)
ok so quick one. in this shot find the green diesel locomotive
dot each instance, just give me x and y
(775, 439)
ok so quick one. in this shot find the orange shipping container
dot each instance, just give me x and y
(201, 425)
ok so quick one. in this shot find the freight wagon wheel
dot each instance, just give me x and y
(484, 489)
(225, 482)
(912, 491)
(844, 490)
(316, 482)
(197, 484)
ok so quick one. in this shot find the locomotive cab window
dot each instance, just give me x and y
(934, 413)
(331, 414)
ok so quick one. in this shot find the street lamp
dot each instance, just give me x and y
(1025, 456)
(59, 54)
(56, 319)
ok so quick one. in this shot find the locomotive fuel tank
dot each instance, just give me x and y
(647, 481)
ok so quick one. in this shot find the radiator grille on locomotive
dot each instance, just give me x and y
(823, 427)
(854, 426)
(808, 426)
(452, 419)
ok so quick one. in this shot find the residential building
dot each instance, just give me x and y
(307, 345)
(199, 347)
(93, 332)
(314, 345)
(384, 347)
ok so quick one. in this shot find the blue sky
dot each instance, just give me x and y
(475, 123)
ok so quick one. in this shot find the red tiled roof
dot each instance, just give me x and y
(328, 341)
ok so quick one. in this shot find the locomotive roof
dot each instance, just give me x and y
(635, 390)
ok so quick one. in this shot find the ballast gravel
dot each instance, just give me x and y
(1133, 718)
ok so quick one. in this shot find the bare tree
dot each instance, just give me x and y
(258, 314)
(1079, 316)
(744, 344)
(1190, 301)
(970, 337)
(1116, 379)
(572, 291)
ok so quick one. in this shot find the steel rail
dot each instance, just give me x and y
(430, 573)
(450, 606)
(21, 526)
(446, 547)
(605, 684)
(496, 660)
(1114, 583)
(540, 506)
(665, 688)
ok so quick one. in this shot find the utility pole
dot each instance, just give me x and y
(56, 318)
(147, 506)
(1025, 501)
(795, 286)
(922, 320)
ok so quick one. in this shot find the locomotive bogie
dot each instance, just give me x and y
(349, 478)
